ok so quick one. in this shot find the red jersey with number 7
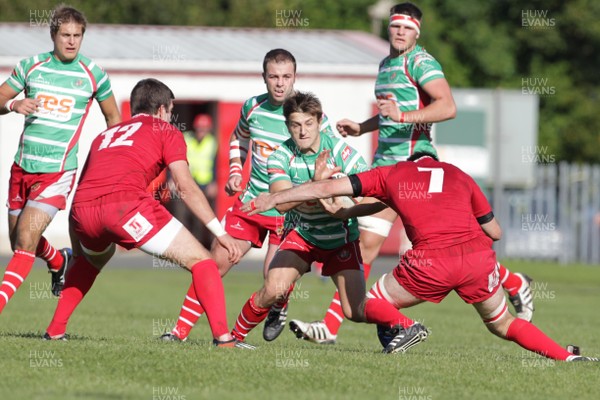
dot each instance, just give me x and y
(438, 203)
(128, 156)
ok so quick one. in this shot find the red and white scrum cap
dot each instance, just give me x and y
(406, 20)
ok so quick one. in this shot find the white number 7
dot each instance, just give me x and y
(436, 179)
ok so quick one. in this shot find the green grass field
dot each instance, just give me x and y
(114, 352)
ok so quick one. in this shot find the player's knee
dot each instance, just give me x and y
(349, 315)
(354, 313)
(267, 296)
(25, 242)
(500, 327)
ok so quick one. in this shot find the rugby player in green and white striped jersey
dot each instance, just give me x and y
(412, 93)
(59, 87)
(312, 235)
(262, 126)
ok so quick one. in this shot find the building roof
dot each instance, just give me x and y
(135, 47)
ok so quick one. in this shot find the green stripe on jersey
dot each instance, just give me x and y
(309, 219)
(264, 124)
(400, 79)
(65, 90)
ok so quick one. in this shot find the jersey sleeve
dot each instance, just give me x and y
(326, 127)
(278, 166)
(426, 68)
(373, 182)
(16, 80)
(104, 89)
(479, 202)
(242, 130)
(174, 146)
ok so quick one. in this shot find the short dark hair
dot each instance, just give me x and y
(148, 95)
(423, 153)
(63, 14)
(407, 9)
(278, 56)
(302, 102)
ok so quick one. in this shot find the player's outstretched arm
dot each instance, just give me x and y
(301, 193)
(195, 200)
(281, 186)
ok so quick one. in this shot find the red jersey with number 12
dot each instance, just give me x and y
(128, 156)
(438, 203)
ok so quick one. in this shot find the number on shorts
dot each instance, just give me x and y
(122, 140)
(436, 179)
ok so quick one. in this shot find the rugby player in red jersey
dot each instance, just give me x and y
(412, 93)
(451, 226)
(111, 206)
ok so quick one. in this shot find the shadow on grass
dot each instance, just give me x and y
(39, 336)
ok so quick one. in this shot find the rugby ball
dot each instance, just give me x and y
(347, 201)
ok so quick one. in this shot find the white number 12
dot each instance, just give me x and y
(122, 140)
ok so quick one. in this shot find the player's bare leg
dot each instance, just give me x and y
(277, 316)
(25, 230)
(373, 232)
(285, 269)
(12, 225)
(349, 302)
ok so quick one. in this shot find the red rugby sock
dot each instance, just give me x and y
(46, 252)
(379, 311)
(528, 336)
(80, 278)
(190, 312)
(250, 316)
(510, 282)
(208, 286)
(16, 272)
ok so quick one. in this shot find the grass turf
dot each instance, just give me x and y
(114, 352)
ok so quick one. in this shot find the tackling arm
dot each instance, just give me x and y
(280, 186)
(301, 193)
(190, 193)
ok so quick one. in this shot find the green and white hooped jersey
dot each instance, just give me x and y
(50, 137)
(309, 219)
(264, 124)
(400, 79)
